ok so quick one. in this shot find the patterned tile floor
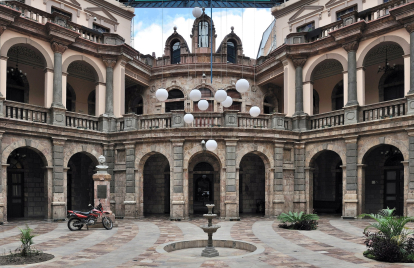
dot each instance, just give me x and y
(337, 243)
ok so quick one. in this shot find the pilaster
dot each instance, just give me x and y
(350, 195)
(231, 198)
(278, 183)
(58, 187)
(299, 198)
(178, 199)
(131, 209)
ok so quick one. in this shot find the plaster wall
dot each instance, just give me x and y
(324, 87)
(82, 90)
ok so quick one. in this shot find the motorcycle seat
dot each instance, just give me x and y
(84, 213)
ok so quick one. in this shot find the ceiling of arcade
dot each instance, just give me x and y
(26, 55)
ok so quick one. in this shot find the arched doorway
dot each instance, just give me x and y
(26, 185)
(252, 184)
(25, 75)
(156, 185)
(203, 183)
(384, 179)
(327, 182)
(80, 185)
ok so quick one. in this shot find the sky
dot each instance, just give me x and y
(249, 24)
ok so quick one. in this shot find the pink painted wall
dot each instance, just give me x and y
(82, 89)
(324, 88)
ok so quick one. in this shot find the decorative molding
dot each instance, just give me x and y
(2, 29)
(351, 46)
(278, 13)
(119, 10)
(94, 9)
(409, 27)
(109, 62)
(335, 2)
(296, 16)
(58, 48)
(299, 62)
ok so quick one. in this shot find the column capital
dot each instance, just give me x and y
(58, 141)
(409, 27)
(129, 145)
(109, 62)
(58, 48)
(351, 46)
(177, 142)
(351, 139)
(299, 62)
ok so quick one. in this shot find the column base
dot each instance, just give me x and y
(299, 201)
(106, 123)
(130, 210)
(351, 114)
(57, 116)
(177, 211)
(410, 103)
(209, 252)
(278, 121)
(301, 122)
(59, 211)
(350, 206)
(232, 210)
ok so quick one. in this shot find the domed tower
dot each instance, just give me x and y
(231, 46)
(201, 35)
(175, 46)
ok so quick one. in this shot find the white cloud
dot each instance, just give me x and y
(255, 21)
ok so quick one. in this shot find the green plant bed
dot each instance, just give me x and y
(392, 242)
(18, 259)
(298, 221)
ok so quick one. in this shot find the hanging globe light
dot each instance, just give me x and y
(211, 145)
(188, 118)
(195, 95)
(228, 102)
(220, 95)
(197, 12)
(202, 105)
(161, 94)
(242, 85)
(254, 111)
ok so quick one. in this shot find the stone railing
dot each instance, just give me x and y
(380, 11)
(246, 121)
(155, 121)
(207, 120)
(204, 58)
(330, 119)
(382, 110)
(26, 112)
(82, 121)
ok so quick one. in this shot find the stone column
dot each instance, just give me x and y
(3, 186)
(3, 69)
(58, 195)
(410, 29)
(350, 195)
(107, 121)
(299, 117)
(278, 185)
(58, 109)
(232, 194)
(308, 96)
(48, 89)
(351, 107)
(177, 198)
(299, 198)
(131, 210)
(409, 176)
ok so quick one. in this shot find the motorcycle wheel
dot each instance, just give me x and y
(107, 223)
(72, 222)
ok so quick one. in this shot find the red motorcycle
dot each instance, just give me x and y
(78, 219)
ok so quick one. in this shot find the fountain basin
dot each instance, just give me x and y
(228, 248)
(210, 229)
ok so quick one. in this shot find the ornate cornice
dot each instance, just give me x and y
(58, 48)
(118, 10)
(351, 46)
(60, 34)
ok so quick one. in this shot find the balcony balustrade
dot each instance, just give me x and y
(382, 110)
(330, 119)
(26, 112)
(82, 121)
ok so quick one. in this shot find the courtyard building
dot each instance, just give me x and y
(334, 80)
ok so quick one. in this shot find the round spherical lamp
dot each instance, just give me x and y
(188, 118)
(242, 85)
(254, 111)
(211, 145)
(197, 12)
(161, 94)
(220, 95)
(202, 105)
(228, 102)
(195, 95)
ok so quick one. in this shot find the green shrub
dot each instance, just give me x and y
(298, 221)
(392, 242)
(26, 237)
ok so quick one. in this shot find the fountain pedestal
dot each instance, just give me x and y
(209, 250)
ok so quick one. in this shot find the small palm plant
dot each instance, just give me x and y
(299, 221)
(26, 237)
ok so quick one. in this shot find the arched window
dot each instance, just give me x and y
(17, 87)
(268, 107)
(175, 101)
(237, 99)
(175, 52)
(91, 103)
(70, 98)
(207, 95)
(231, 52)
(393, 87)
(338, 96)
(315, 102)
(203, 34)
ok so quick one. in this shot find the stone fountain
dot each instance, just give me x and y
(210, 251)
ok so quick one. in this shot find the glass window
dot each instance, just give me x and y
(174, 94)
(339, 14)
(61, 12)
(306, 28)
(175, 53)
(203, 34)
(100, 28)
(206, 93)
(231, 52)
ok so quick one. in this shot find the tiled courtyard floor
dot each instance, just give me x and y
(337, 243)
